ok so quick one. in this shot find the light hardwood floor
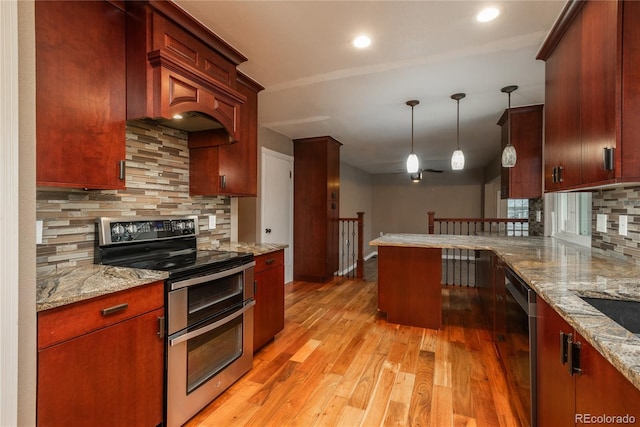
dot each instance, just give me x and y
(339, 363)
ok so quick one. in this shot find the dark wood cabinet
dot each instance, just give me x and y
(409, 285)
(316, 209)
(591, 97)
(565, 398)
(524, 181)
(80, 94)
(177, 66)
(218, 167)
(102, 368)
(268, 312)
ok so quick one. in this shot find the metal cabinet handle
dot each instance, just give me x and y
(573, 356)
(121, 165)
(270, 261)
(564, 340)
(609, 158)
(223, 181)
(161, 327)
(115, 309)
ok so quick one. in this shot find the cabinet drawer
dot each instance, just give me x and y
(269, 260)
(70, 321)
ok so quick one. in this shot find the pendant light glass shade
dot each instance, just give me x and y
(413, 164)
(509, 156)
(457, 159)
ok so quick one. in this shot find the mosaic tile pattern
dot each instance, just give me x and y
(615, 202)
(157, 173)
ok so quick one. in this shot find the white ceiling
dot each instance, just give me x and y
(317, 84)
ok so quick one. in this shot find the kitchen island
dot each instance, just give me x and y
(559, 273)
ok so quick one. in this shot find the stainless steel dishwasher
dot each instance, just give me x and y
(518, 350)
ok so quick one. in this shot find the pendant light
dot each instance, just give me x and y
(413, 164)
(509, 156)
(457, 159)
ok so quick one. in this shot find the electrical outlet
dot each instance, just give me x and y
(39, 224)
(622, 230)
(212, 222)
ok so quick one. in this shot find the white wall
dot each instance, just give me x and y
(401, 206)
(356, 195)
(26, 189)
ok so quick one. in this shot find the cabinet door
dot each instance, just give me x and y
(562, 111)
(111, 377)
(601, 389)
(599, 70)
(629, 153)
(524, 181)
(269, 309)
(80, 94)
(556, 388)
(239, 161)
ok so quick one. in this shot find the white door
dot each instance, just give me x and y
(276, 196)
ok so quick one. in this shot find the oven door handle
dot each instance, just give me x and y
(210, 277)
(212, 326)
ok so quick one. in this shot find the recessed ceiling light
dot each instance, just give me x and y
(488, 14)
(362, 41)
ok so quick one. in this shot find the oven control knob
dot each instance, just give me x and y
(117, 230)
(180, 225)
(132, 228)
(189, 225)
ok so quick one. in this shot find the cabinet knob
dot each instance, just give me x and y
(267, 230)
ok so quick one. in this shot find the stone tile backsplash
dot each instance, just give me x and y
(157, 174)
(615, 202)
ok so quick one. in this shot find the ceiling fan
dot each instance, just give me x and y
(416, 177)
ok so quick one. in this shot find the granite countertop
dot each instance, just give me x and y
(560, 273)
(255, 248)
(72, 284)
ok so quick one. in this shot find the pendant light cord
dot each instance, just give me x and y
(458, 124)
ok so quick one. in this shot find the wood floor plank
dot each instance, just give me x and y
(377, 405)
(339, 363)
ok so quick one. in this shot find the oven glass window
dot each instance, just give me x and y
(213, 297)
(211, 352)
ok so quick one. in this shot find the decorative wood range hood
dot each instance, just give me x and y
(177, 67)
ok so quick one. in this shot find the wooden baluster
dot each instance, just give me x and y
(360, 262)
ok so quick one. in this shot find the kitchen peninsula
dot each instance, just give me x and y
(559, 273)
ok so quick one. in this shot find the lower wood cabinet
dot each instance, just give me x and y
(268, 312)
(100, 361)
(410, 285)
(578, 397)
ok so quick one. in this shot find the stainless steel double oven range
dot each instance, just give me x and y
(208, 301)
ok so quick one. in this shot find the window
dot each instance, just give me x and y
(518, 209)
(570, 217)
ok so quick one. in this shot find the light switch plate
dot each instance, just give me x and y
(623, 225)
(212, 222)
(601, 223)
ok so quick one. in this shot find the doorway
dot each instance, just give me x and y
(276, 195)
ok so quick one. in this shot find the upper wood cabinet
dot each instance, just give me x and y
(592, 97)
(80, 94)
(176, 66)
(524, 181)
(217, 167)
